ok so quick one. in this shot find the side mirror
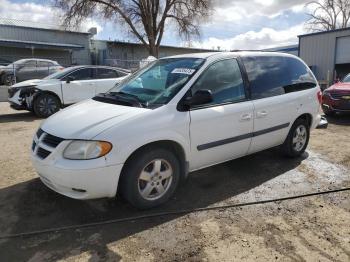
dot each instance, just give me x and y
(69, 79)
(201, 97)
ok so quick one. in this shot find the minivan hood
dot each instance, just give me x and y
(35, 82)
(87, 119)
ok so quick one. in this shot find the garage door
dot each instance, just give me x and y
(343, 50)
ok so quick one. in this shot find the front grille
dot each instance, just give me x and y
(42, 153)
(39, 133)
(44, 143)
(338, 95)
(51, 140)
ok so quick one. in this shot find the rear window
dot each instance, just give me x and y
(277, 75)
(104, 73)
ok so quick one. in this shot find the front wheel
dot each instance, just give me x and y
(297, 139)
(46, 105)
(150, 178)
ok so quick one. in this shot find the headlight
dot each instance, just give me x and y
(83, 150)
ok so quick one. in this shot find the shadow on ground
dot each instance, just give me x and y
(18, 117)
(339, 119)
(31, 206)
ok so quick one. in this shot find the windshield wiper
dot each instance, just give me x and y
(119, 99)
(129, 96)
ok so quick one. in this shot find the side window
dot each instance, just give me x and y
(224, 80)
(105, 73)
(43, 64)
(81, 74)
(301, 77)
(276, 75)
(31, 64)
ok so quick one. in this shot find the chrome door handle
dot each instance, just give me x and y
(246, 117)
(261, 114)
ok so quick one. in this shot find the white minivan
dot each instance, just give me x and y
(73, 84)
(177, 115)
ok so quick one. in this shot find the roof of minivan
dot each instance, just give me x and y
(222, 54)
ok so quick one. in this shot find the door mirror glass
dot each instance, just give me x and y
(201, 97)
(69, 79)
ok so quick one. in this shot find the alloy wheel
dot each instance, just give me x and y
(155, 179)
(299, 138)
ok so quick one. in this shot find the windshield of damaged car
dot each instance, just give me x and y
(159, 82)
(60, 74)
(347, 79)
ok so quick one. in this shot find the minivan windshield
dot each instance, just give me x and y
(157, 83)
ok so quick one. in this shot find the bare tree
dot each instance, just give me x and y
(145, 19)
(328, 15)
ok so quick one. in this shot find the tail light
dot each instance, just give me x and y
(319, 96)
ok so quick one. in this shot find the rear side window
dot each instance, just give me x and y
(105, 73)
(224, 80)
(43, 64)
(277, 75)
(81, 74)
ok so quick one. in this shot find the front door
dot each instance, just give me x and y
(78, 86)
(220, 130)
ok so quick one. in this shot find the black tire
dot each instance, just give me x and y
(131, 185)
(46, 105)
(289, 147)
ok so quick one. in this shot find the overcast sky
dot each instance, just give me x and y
(236, 24)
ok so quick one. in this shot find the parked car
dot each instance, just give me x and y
(71, 85)
(337, 97)
(26, 69)
(177, 115)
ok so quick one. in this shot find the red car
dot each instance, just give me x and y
(336, 98)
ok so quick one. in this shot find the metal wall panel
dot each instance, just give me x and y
(319, 51)
(51, 36)
(343, 50)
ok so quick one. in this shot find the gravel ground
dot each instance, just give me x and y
(316, 228)
(3, 93)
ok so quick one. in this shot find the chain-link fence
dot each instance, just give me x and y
(15, 69)
(126, 64)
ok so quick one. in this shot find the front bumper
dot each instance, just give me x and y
(77, 182)
(339, 104)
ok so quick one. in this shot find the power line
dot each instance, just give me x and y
(169, 213)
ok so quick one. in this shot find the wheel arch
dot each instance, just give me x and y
(43, 92)
(171, 145)
(307, 117)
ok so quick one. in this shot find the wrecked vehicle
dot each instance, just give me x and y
(46, 96)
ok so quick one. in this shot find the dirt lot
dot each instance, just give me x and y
(315, 228)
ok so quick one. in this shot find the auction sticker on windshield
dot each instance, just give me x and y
(186, 71)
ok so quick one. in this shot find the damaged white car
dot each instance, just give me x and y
(46, 96)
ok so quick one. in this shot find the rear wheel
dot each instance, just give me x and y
(297, 139)
(150, 178)
(46, 105)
